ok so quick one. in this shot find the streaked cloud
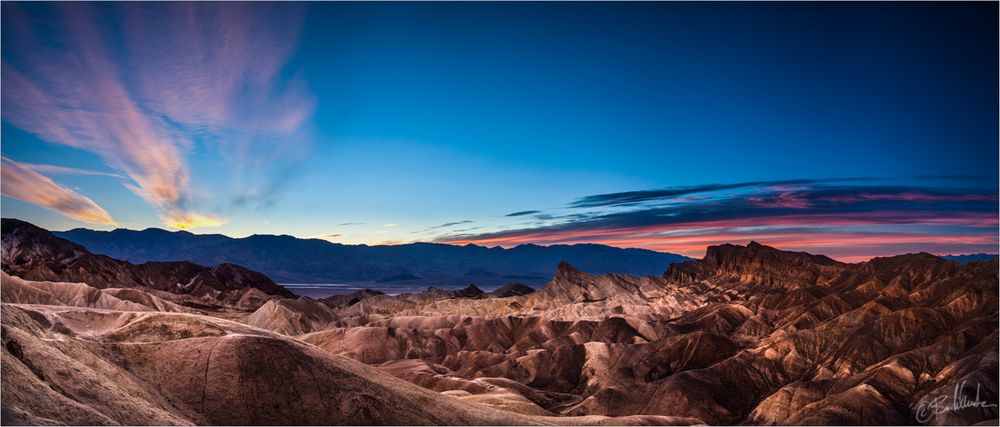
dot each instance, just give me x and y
(442, 226)
(64, 170)
(632, 197)
(23, 183)
(852, 222)
(449, 224)
(522, 213)
(145, 86)
(389, 225)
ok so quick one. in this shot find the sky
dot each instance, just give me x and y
(849, 129)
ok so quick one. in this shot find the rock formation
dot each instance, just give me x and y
(747, 335)
(33, 253)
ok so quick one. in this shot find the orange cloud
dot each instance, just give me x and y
(141, 98)
(187, 220)
(22, 183)
(842, 245)
(88, 107)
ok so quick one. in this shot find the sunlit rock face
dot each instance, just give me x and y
(747, 335)
(750, 334)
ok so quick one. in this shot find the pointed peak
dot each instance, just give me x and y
(513, 289)
(566, 268)
(470, 291)
(472, 288)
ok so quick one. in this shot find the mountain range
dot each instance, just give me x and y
(746, 335)
(971, 258)
(287, 259)
(33, 253)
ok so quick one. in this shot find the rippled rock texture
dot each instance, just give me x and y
(747, 335)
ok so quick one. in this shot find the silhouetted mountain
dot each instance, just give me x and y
(347, 300)
(513, 290)
(291, 260)
(964, 259)
(33, 253)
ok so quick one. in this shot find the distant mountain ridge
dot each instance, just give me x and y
(288, 259)
(971, 258)
(33, 253)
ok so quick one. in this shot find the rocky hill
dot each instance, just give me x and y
(747, 335)
(33, 253)
(750, 334)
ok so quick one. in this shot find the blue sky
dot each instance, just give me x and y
(398, 118)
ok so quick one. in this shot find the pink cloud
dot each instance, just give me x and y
(218, 65)
(787, 199)
(22, 183)
(64, 170)
(845, 246)
(817, 233)
(187, 72)
(910, 196)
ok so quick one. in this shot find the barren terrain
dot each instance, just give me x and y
(749, 334)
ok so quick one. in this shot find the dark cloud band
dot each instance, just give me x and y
(522, 213)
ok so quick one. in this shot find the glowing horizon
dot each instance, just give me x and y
(505, 123)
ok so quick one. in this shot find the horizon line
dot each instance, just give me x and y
(505, 247)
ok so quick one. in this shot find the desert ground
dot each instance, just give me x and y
(746, 335)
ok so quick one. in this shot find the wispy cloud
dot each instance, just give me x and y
(23, 183)
(142, 85)
(389, 225)
(853, 222)
(442, 226)
(449, 224)
(522, 213)
(64, 170)
(632, 197)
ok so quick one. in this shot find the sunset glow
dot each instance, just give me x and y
(507, 124)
